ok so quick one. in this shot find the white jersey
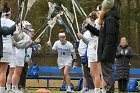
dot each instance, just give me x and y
(96, 24)
(64, 52)
(92, 45)
(7, 42)
(21, 52)
(93, 40)
(82, 46)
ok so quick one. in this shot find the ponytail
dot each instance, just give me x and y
(6, 9)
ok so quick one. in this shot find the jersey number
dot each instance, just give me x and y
(62, 53)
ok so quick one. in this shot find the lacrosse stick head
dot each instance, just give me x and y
(53, 10)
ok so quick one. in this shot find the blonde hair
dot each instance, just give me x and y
(124, 39)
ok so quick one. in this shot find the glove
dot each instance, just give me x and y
(74, 63)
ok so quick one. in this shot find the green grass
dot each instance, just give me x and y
(42, 83)
(57, 91)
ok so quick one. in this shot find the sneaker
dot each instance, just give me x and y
(70, 91)
(97, 90)
(90, 91)
(103, 91)
(17, 91)
(83, 91)
(8, 91)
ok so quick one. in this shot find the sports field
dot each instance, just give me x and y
(53, 83)
(57, 91)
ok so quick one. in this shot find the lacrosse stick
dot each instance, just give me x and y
(59, 19)
(70, 19)
(51, 10)
(79, 8)
(51, 24)
(29, 5)
(19, 36)
(75, 16)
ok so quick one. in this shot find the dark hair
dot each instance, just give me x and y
(93, 15)
(61, 31)
(6, 9)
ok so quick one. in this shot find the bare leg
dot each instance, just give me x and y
(94, 70)
(9, 78)
(3, 70)
(102, 83)
(62, 73)
(16, 75)
(66, 74)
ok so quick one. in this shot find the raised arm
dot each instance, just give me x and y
(92, 29)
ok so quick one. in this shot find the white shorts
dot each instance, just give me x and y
(62, 64)
(12, 65)
(19, 62)
(92, 58)
(7, 57)
(13, 60)
(20, 56)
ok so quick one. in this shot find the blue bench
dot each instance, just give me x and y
(134, 71)
(54, 73)
(75, 74)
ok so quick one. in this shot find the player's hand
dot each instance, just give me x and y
(49, 43)
(80, 35)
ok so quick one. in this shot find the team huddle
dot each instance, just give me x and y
(15, 47)
(97, 49)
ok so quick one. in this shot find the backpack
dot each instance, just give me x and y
(132, 85)
(79, 85)
(64, 86)
(33, 70)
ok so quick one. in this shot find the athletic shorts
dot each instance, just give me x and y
(12, 65)
(7, 57)
(92, 58)
(62, 64)
(19, 61)
(20, 56)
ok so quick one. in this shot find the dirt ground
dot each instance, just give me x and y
(42, 83)
(54, 83)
